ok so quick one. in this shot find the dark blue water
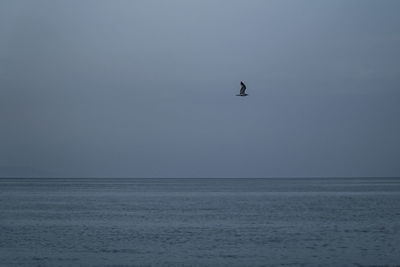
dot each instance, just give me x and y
(200, 222)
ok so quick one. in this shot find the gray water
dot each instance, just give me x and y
(200, 222)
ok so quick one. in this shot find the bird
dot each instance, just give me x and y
(242, 89)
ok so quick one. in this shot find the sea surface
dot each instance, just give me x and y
(200, 222)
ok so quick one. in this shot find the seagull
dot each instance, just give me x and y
(242, 93)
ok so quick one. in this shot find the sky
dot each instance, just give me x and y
(146, 88)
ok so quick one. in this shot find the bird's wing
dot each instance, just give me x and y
(242, 90)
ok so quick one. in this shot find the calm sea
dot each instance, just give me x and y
(200, 222)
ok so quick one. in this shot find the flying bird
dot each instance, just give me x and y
(242, 89)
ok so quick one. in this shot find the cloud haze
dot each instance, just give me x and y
(147, 88)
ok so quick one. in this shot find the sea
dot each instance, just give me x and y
(200, 222)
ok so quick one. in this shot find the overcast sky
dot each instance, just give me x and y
(95, 88)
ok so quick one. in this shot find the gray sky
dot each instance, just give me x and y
(95, 88)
